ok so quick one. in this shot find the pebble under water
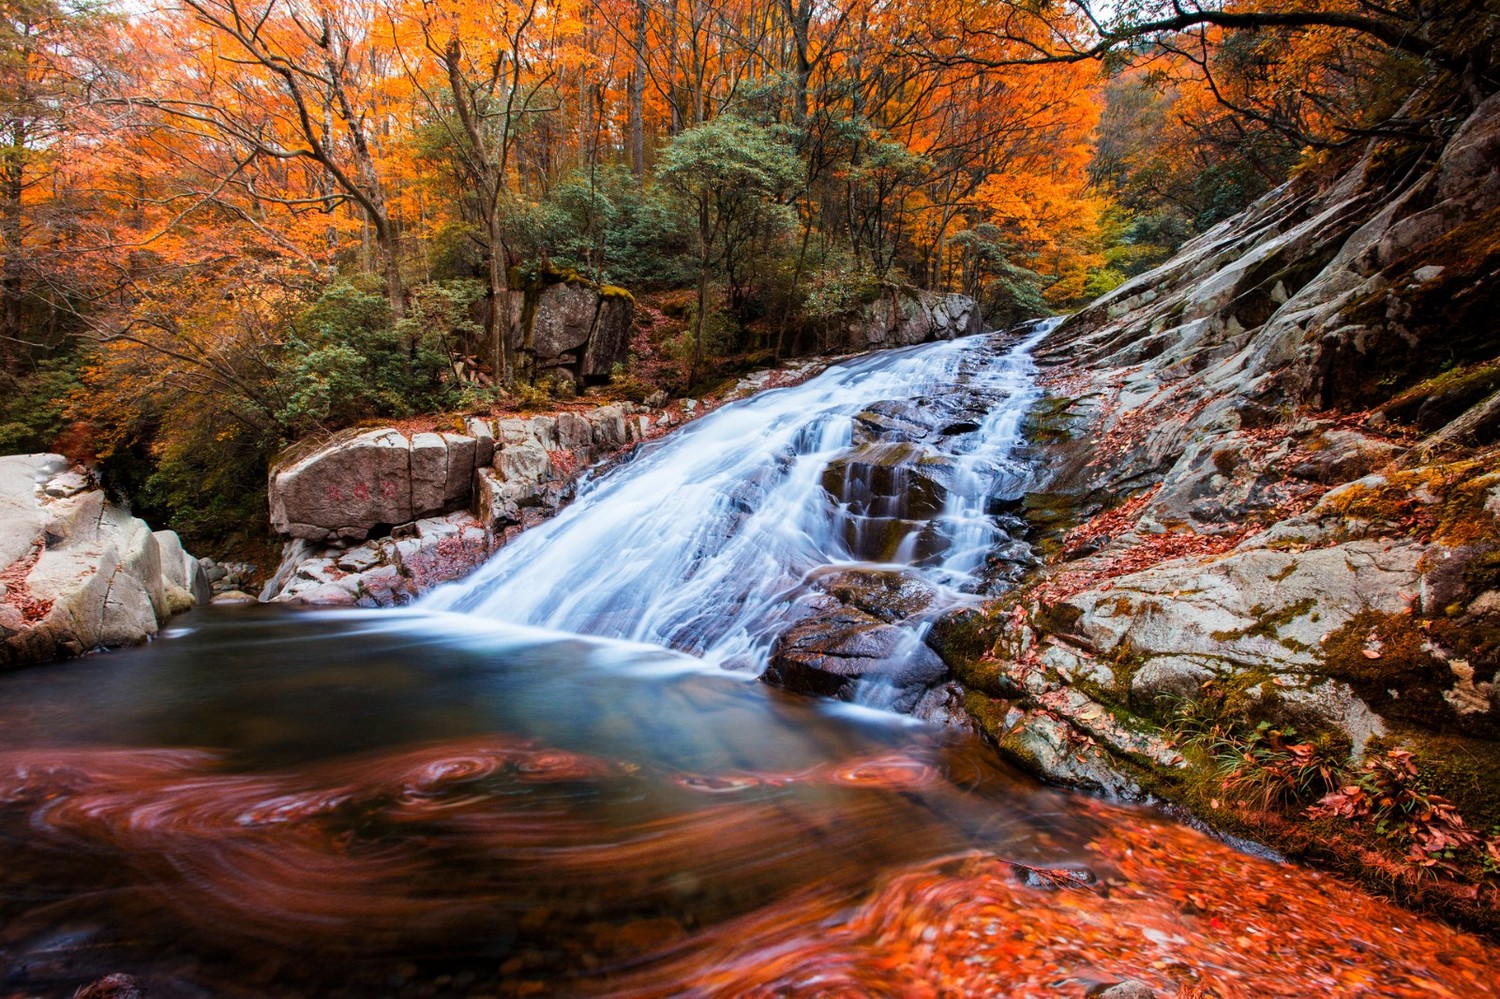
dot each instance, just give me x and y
(422, 803)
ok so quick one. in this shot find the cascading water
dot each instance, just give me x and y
(708, 540)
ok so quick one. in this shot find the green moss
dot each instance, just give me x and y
(1445, 395)
(1268, 624)
(1290, 568)
(1050, 515)
(1049, 421)
(988, 712)
(1461, 769)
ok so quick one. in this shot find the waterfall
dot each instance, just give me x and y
(708, 539)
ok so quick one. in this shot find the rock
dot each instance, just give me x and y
(826, 653)
(382, 572)
(117, 986)
(234, 597)
(1127, 989)
(76, 572)
(904, 318)
(889, 595)
(483, 433)
(900, 480)
(609, 427)
(184, 582)
(1170, 679)
(369, 481)
(575, 327)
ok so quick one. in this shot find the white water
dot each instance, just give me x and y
(704, 542)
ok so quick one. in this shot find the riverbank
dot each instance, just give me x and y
(1269, 493)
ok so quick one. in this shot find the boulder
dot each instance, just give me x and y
(184, 580)
(904, 318)
(566, 324)
(826, 654)
(77, 572)
(369, 481)
(382, 572)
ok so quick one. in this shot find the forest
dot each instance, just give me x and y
(229, 224)
(628, 498)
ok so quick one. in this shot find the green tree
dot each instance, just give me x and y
(736, 179)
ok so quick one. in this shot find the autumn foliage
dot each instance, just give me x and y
(182, 185)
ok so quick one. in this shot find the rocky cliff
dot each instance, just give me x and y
(77, 572)
(1269, 493)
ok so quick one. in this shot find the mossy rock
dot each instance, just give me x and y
(961, 638)
(1388, 661)
(1462, 769)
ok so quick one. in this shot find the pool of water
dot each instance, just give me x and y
(267, 802)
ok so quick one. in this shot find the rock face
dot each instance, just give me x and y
(76, 572)
(1271, 501)
(374, 528)
(902, 319)
(564, 324)
(369, 481)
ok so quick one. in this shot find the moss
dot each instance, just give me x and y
(615, 291)
(1268, 624)
(1459, 768)
(1432, 403)
(1050, 516)
(1049, 421)
(1290, 568)
(1057, 618)
(962, 639)
(989, 713)
(1388, 660)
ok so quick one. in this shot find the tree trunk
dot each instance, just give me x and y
(11, 232)
(389, 246)
(497, 326)
(638, 96)
(705, 257)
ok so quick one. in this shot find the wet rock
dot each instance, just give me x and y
(899, 480)
(824, 654)
(117, 986)
(1050, 748)
(888, 595)
(961, 636)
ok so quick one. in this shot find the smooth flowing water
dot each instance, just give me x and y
(708, 539)
(271, 802)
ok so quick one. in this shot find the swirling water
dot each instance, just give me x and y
(268, 802)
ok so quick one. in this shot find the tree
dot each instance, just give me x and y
(490, 86)
(735, 178)
(277, 82)
(45, 78)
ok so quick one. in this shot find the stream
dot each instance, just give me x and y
(544, 781)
